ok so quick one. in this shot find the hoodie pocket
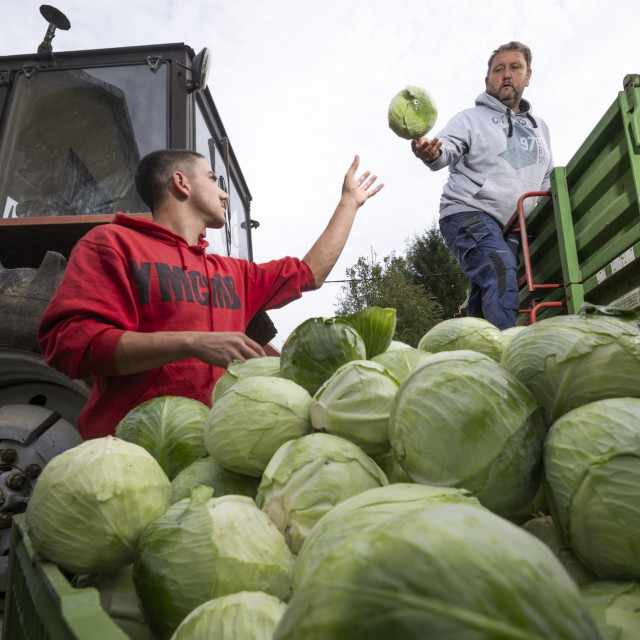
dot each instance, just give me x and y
(499, 196)
(187, 378)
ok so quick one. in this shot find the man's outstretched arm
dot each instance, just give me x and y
(327, 248)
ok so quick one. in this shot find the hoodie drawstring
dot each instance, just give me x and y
(510, 134)
(206, 272)
(527, 115)
(181, 252)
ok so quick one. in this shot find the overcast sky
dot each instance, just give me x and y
(303, 85)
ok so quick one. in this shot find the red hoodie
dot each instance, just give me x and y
(135, 275)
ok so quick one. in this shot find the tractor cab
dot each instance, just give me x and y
(73, 126)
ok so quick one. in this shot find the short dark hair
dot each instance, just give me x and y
(155, 169)
(514, 45)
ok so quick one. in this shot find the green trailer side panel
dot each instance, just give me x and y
(588, 235)
(566, 240)
(41, 603)
(630, 109)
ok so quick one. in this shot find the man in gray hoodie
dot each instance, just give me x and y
(495, 151)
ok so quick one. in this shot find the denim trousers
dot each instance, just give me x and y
(489, 261)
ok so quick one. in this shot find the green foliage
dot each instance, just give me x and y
(424, 287)
(434, 268)
(389, 284)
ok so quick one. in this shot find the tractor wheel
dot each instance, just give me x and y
(24, 295)
(39, 406)
(24, 376)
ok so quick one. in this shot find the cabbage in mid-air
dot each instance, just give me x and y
(412, 113)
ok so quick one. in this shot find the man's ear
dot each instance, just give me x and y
(526, 84)
(180, 183)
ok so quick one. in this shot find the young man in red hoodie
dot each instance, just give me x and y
(146, 312)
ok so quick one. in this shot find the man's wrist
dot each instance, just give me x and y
(348, 202)
(189, 342)
(433, 159)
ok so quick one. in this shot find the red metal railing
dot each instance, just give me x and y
(517, 223)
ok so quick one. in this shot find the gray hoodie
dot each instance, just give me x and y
(494, 156)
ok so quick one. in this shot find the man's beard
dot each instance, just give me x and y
(511, 98)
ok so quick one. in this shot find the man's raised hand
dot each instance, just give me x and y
(362, 188)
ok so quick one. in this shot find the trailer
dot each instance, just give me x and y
(581, 243)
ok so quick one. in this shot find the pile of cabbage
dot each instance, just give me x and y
(480, 484)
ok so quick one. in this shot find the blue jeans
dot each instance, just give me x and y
(476, 241)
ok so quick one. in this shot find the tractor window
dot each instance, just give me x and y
(74, 137)
(237, 217)
(204, 145)
(233, 239)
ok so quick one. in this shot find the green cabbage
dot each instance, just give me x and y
(170, 428)
(376, 327)
(239, 369)
(354, 403)
(475, 334)
(92, 502)
(441, 570)
(412, 113)
(391, 468)
(397, 344)
(308, 476)
(592, 474)
(460, 420)
(568, 361)
(509, 334)
(252, 419)
(247, 615)
(615, 607)
(209, 473)
(316, 348)
(204, 548)
(379, 507)
(401, 362)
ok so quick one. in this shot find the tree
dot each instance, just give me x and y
(434, 268)
(389, 284)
